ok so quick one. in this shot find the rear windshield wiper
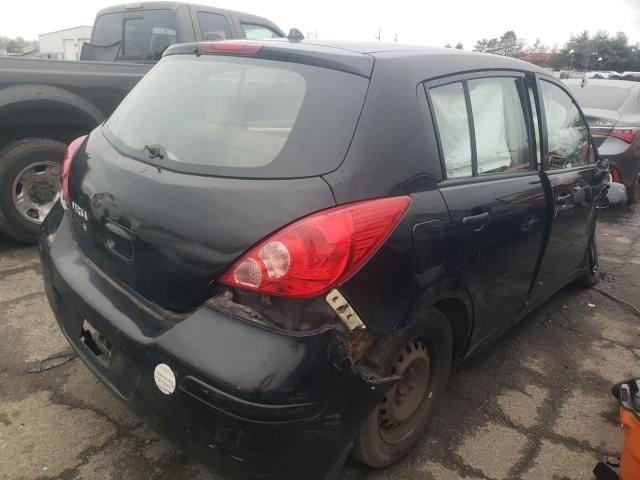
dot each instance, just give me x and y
(156, 151)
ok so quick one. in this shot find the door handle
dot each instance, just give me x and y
(563, 199)
(476, 220)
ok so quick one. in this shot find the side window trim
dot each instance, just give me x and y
(436, 129)
(543, 125)
(472, 128)
(536, 118)
(464, 78)
(186, 28)
(525, 90)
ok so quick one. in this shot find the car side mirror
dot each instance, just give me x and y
(295, 35)
(616, 194)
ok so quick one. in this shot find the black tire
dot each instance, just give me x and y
(431, 330)
(633, 192)
(615, 390)
(14, 158)
(591, 275)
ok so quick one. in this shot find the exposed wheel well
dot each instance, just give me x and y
(459, 320)
(50, 120)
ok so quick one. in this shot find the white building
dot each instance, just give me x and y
(64, 44)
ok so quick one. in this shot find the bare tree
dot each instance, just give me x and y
(508, 44)
(538, 47)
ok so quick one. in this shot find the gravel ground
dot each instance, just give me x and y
(535, 405)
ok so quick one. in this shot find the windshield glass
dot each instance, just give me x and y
(239, 117)
(597, 96)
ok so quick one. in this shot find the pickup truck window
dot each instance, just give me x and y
(107, 29)
(143, 35)
(213, 26)
(253, 31)
(567, 132)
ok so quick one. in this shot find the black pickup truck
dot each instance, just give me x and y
(44, 104)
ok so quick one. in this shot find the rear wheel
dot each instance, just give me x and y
(421, 357)
(29, 185)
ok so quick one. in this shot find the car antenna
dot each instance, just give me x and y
(295, 35)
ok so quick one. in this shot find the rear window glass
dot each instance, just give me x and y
(253, 31)
(213, 26)
(232, 116)
(143, 35)
(596, 96)
(107, 29)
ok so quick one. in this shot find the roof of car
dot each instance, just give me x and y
(358, 57)
(390, 50)
(596, 82)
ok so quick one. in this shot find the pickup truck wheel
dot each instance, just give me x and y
(421, 356)
(591, 275)
(29, 185)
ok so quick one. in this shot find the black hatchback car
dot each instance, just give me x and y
(274, 252)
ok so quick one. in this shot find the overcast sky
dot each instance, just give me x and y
(433, 22)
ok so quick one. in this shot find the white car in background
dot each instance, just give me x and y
(606, 74)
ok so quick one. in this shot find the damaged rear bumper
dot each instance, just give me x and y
(250, 401)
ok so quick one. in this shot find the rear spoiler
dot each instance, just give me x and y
(282, 50)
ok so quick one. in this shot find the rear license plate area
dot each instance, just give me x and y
(96, 343)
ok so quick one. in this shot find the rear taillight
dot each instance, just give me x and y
(66, 165)
(318, 252)
(626, 134)
(229, 48)
(615, 175)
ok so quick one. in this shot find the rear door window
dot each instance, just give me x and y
(213, 26)
(482, 127)
(231, 116)
(567, 132)
(254, 31)
(502, 143)
(452, 119)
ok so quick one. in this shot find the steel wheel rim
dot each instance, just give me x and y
(400, 409)
(36, 189)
